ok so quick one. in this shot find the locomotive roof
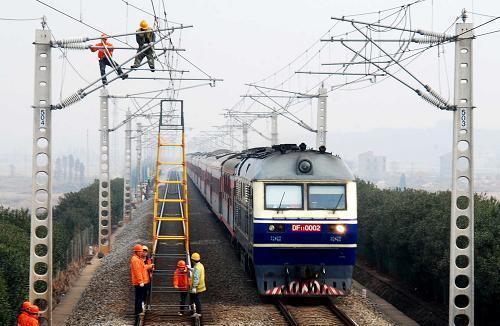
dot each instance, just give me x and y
(277, 166)
(266, 163)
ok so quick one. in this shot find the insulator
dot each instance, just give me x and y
(437, 96)
(70, 100)
(75, 46)
(427, 39)
(434, 34)
(72, 40)
(432, 100)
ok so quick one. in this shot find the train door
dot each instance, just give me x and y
(221, 189)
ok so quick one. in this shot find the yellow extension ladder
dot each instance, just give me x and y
(170, 138)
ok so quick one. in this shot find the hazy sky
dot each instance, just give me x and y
(241, 42)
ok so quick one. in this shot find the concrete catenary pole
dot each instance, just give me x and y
(138, 165)
(127, 212)
(245, 136)
(461, 300)
(274, 129)
(40, 286)
(321, 117)
(104, 184)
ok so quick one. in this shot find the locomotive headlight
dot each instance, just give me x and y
(304, 166)
(276, 228)
(338, 228)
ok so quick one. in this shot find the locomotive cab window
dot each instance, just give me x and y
(283, 196)
(326, 197)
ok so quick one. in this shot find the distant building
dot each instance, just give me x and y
(445, 166)
(370, 166)
(402, 181)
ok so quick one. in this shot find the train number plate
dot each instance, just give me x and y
(306, 227)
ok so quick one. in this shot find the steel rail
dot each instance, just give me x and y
(286, 313)
(339, 313)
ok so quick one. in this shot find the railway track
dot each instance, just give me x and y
(322, 311)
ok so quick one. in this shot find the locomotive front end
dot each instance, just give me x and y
(304, 224)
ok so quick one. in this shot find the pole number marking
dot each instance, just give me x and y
(43, 118)
(463, 118)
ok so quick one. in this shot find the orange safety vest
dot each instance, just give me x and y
(147, 271)
(28, 320)
(137, 270)
(181, 280)
(101, 54)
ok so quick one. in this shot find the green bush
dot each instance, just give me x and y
(406, 234)
(75, 212)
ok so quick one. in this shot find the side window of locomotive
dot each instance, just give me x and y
(283, 196)
(326, 197)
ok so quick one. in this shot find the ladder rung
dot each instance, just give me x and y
(171, 237)
(170, 182)
(170, 219)
(171, 200)
(180, 145)
(171, 163)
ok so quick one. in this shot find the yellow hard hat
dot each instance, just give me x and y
(195, 256)
(145, 248)
(144, 24)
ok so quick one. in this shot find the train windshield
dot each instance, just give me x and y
(326, 197)
(284, 197)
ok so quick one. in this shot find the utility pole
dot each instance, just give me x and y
(40, 286)
(138, 167)
(127, 212)
(461, 300)
(231, 135)
(104, 184)
(321, 117)
(245, 136)
(274, 128)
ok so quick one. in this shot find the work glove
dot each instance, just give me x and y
(193, 290)
(141, 285)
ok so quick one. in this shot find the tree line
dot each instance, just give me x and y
(75, 212)
(406, 232)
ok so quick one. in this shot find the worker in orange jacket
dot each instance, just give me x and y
(105, 53)
(181, 283)
(139, 274)
(32, 318)
(148, 264)
(24, 312)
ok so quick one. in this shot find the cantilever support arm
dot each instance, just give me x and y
(81, 93)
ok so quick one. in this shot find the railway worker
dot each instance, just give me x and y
(145, 37)
(181, 283)
(32, 318)
(24, 312)
(105, 55)
(148, 264)
(138, 273)
(197, 283)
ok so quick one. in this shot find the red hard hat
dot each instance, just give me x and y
(26, 305)
(104, 36)
(33, 309)
(137, 248)
(181, 264)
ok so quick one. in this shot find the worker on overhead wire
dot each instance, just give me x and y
(148, 265)
(105, 55)
(181, 284)
(197, 284)
(145, 38)
(138, 273)
(24, 312)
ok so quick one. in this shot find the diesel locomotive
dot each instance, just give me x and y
(291, 211)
